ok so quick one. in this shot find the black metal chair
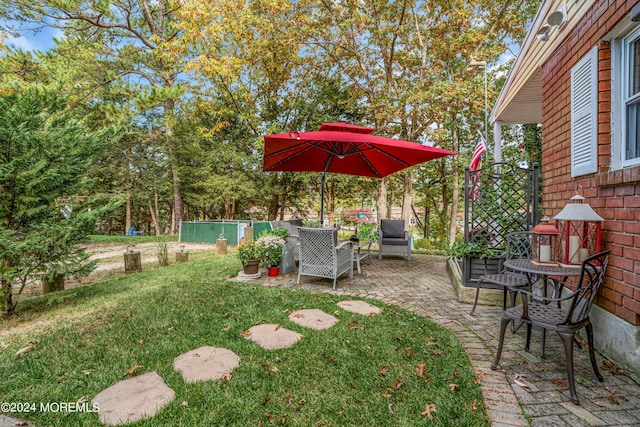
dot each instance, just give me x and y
(519, 245)
(565, 315)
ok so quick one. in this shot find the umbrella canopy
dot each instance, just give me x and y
(343, 148)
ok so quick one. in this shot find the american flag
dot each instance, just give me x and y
(476, 158)
(476, 163)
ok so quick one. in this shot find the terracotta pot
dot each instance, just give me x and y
(274, 271)
(252, 266)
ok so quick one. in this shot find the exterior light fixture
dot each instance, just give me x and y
(580, 229)
(543, 33)
(545, 237)
(555, 19)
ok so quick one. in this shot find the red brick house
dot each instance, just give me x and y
(578, 74)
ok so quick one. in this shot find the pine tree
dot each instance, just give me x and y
(45, 152)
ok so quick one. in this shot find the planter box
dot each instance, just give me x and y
(473, 267)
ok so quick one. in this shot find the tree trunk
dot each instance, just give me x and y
(427, 218)
(127, 213)
(178, 202)
(284, 200)
(381, 204)
(407, 199)
(156, 219)
(153, 215)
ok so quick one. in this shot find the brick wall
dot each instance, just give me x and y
(614, 195)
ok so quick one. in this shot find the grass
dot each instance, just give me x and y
(361, 372)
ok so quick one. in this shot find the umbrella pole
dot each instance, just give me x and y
(322, 201)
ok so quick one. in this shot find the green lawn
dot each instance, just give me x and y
(362, 371)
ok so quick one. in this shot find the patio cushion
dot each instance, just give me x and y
(394, 241)
(392, 228)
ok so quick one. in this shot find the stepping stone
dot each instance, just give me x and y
(313, 318)
(134, 399)
(360, 307)
(205, 363)
(272, 337)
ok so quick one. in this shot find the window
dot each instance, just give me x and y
(626, 100)
(584, 115)
(631, 100)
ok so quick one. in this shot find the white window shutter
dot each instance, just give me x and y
(584, 115)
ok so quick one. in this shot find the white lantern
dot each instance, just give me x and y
(580, 232)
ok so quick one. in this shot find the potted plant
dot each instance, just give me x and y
(250, 254)
(475, 258)
(271, 254)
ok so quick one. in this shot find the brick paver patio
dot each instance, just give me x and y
(528, 390)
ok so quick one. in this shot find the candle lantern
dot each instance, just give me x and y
(580, 232)
(545, 237)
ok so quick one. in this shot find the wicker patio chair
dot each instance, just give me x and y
(292, 242)
(565, 315)
(519, 245)
(394, 239)
(322, 256)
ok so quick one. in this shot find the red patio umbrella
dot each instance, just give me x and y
(343, 148)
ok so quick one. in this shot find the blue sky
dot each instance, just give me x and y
(33, 40)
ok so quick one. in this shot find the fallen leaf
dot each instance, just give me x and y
(274, 369)
(383, 371)
(474, 405)
(298, 315)
(278, 327)
(86, 372)
(397, 384)
(132, 369)
(141, 342)
(479, 376)
(611, 368)
(246, 333)
(613, 400)
(580, 341)
(437, 352)
(24, 350)
(184, 403)
(429, 409)
(559, 383)
(386, 395)
(420, 369)
(12, 376)
(170, 329)
(453, 387)
(227, 375)
(226, 328)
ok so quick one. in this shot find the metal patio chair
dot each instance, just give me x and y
(322, 256)
(565, 315)
(519, 245)
(394, 239)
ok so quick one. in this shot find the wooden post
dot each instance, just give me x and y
(221, 245)
(248, 234)
(132, 262)
(56, 283)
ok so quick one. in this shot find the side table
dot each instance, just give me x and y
(361, 250)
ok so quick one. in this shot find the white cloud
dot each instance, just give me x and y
(30, 41)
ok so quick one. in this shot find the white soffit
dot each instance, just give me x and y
(520, 100)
